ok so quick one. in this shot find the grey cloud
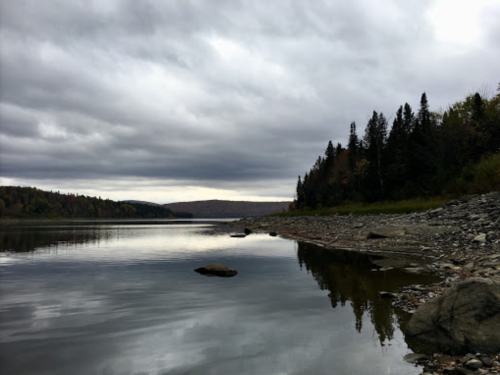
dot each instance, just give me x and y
(187, 91)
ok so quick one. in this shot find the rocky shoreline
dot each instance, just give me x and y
(458, 241)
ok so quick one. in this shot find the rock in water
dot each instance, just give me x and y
(466, 318)
(415, 358)
(217, 269)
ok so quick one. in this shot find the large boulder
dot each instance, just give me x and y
(465, 319)
(217, 269)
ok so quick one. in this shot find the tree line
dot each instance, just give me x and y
(31, 202)
(424, 154)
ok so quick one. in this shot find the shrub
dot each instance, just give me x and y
(487, 174)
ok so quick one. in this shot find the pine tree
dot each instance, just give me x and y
(329, 152)
(301, 198)
(339, 149)
(353, 146)
(396, 155)
(408, 118)
(424, 115)
(375, 139)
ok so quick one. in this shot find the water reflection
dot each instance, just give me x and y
(125, 300)
(352, 277)
(26, 238)
(54, 235)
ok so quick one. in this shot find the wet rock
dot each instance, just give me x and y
(247, 231)
(415, 270)
(415, 358)
(465, 318)
(387, 295)
(217, 269)
(273, 234)
(487, 360)
(238, 235)
(474, 364)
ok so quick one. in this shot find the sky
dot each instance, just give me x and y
(183, 100)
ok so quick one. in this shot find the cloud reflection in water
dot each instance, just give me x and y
(128, 302)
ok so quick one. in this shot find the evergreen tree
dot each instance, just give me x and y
(424, 115)
(353, 146)
(339, 149)
(329, 153)
(396, 156)
(408, 118)
(301, 197)
(375, 138)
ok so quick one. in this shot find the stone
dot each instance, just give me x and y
(466, 318)
(474, 364)
(386, 232)
(487, 360)
(273, 234)
(480, 238)
(217, 269)
(238, 235)
(444, 359)
(415, 358)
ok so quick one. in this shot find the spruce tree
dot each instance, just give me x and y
(339, 149)
(300, 194)
(375, 139)
(352, 146)
(396, 158)
(329, 153)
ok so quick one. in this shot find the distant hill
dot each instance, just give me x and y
(30, 202)
(228, 209)
(178, 214)
(142, 202)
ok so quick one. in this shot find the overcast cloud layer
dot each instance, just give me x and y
(184, 100)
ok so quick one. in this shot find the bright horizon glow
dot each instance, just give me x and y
(148, 190)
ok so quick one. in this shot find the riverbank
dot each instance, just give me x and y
(457, 241)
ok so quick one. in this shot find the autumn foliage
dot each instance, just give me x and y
(424, 154)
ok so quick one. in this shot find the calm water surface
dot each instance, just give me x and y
(108, 299)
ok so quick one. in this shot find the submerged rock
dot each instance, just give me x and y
(217, 269)
(466, 318)
(388, 295)
(415, 358)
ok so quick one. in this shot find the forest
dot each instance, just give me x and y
(424, 154)
(30, 202)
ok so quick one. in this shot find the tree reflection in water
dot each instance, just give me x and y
(352, 277)
(29, 238)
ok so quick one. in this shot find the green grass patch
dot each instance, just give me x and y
(387, 207)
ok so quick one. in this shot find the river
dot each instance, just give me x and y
(122, 298)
